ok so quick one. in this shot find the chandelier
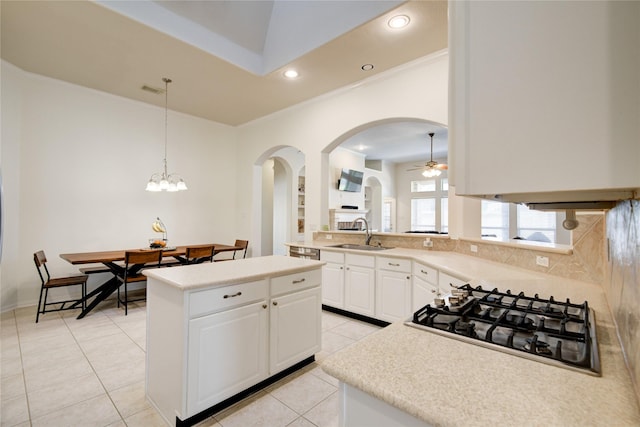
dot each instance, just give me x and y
(164, 181)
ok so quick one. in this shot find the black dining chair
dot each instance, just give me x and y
(49, 282)
(134, 263)
(199, 254)
(242, 245)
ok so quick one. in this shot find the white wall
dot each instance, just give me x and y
(416, 90)
(75, 164)
(339, 159)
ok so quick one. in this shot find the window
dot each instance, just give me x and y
(423, 214)
(495, 220)
(536, 225)
(504, 221)
(429, 205)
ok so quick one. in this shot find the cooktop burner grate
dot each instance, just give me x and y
(555, 332)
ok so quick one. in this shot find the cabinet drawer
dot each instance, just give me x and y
(426, 273)
(360, 260)
(224, 297)
(329, 256)
(294, 282)
(394, 264)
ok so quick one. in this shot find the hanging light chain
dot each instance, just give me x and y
(164, 181)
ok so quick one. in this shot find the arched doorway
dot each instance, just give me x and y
(408, 147)
(278, 170)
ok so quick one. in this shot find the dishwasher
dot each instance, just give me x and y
(305, 253)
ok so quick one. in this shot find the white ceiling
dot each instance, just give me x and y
(225, 58)
(400, 142)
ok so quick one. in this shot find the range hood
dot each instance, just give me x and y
(586, 197)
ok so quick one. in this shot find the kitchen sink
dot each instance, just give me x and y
(360, 247)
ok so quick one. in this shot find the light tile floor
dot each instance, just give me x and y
(90, 372)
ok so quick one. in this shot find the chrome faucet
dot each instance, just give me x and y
(367, 231)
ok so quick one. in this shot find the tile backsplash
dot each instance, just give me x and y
(623, 280)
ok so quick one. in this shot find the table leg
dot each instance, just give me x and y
(102, 292)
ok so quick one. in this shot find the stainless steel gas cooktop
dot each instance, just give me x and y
(549, 331)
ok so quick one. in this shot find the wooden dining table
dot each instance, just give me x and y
(112, 260)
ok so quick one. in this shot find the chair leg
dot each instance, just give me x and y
(39, 303)
(126, 299)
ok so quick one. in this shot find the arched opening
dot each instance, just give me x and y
(384, 150)
(276, 180)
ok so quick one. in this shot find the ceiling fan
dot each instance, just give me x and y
(431, 168)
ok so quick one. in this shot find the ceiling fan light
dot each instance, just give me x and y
(431, 172)
(181, 185)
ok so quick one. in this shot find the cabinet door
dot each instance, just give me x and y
(393, 296)
(227, 353)
(423, 293)
(447, 282)
(517, 64)
(295, 328)
(360, 290)
(333, 285)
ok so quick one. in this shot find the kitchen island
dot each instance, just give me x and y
(220, 331)
(410, 377)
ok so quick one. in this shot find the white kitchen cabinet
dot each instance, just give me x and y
(227, 353)
(446, 282)
(425, 285)
(423, 293)
(211, 334)
(360, 284)
(544, 99)
(393, 289)
(295, 328)
(333, 279)
(393, 295)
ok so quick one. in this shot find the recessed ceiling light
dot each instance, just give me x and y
(367, 67)
(291, 74)
(399, 21)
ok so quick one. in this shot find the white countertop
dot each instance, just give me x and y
(447, 382)
(229, 272)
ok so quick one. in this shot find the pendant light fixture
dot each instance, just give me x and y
(164, 181)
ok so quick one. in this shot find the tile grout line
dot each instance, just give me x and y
(24, 377)
(75, 339)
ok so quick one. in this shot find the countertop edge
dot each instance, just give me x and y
(191, 277)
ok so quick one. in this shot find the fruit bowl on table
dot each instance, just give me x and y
(157, 243)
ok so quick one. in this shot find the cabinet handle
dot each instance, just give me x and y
(341, 268)
(298, 281)
(237, 294)
(275, 303)
(393, 265)
(408, 277)
(264, 305)
(424, 272)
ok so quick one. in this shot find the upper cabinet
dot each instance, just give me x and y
(545, 100)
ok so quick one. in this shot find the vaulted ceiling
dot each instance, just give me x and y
(226, 58)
